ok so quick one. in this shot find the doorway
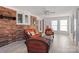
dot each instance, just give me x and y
(60, 26)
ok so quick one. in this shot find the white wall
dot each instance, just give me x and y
(74, 27)
(77, 27)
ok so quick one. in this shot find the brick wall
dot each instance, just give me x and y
(9, 31)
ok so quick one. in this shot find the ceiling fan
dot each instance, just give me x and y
(48, 11)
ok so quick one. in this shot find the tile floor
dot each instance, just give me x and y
(15, 47)
(61, 44)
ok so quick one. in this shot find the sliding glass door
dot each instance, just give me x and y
(63, 25)
(60, 25)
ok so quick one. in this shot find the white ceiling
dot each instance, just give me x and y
(38, 10)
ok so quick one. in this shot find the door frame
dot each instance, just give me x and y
(58, 27)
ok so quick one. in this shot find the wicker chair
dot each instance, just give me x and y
(37, 46)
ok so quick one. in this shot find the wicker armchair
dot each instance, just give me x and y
(37, 46)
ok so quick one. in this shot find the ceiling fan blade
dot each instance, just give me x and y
(52, 12)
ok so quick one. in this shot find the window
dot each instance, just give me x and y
(63, 25)
(26, 18)
(20, 17)
(54, 25)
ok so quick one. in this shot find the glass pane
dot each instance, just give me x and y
(54, 22)
(63, 22)
(54, 27)
(63, 28)
(20, 18)
(26, 19)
